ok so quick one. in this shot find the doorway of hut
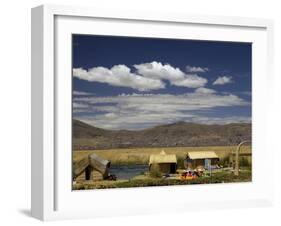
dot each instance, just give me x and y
(88, 172)
(173, 168)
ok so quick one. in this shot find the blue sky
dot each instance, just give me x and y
(136, 83)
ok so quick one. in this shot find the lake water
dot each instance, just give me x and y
(127, 172)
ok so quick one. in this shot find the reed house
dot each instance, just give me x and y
(165, 163)
(200, 159)
(92, 167)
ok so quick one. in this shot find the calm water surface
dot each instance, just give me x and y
(127, 172)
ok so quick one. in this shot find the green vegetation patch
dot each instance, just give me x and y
(220, 177)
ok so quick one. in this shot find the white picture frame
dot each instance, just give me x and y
(52, 197)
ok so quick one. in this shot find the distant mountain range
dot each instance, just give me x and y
(178, 134)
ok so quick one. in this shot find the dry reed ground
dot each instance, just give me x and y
(141, 155)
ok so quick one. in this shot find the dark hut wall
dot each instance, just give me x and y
(93, 175)
(201, 162)
(164, 167)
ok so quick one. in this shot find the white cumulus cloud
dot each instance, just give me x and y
(174, 75)
(118, 75)
(221, 80)
(148, 76)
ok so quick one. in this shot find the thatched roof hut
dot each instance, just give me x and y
(91, 167)
(165, 163)
(196, 159)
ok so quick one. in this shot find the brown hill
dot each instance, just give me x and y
(172, 135)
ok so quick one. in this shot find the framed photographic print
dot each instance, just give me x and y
(140, 121)
(148, 111)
